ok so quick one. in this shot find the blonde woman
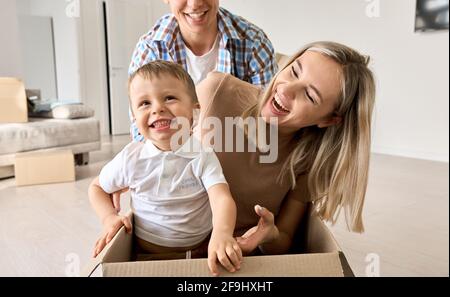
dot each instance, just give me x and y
(323, 100)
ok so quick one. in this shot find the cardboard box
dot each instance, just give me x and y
(44, 167)
(318, 254)
(13, 101)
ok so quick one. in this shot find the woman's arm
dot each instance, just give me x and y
(287, 221)
(274, 235)
(263, 65)
(207, 89)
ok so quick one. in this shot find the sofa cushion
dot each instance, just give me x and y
(46, 133)
(66, 111)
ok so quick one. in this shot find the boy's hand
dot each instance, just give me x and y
(111, 225)
(224, 248)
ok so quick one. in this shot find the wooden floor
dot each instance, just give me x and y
(45, 228)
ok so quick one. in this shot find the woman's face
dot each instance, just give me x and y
(305, 94)
(195, 16)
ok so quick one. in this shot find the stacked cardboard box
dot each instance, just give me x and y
(13, 101)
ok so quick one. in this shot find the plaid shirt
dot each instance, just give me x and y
(244, 50)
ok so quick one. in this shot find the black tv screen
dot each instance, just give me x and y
(431, 15)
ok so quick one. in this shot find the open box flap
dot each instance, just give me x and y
(319, 239)
(317, 236)
(117, 250)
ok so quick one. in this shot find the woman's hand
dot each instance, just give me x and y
(111, 225)
(223, 247)
(264, 232)
(116, 198)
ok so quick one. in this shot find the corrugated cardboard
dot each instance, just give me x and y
(321, 256)
(44, 167)
(13, 101)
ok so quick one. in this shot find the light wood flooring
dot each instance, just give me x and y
(406, 217)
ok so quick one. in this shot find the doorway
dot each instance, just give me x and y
(125, 22)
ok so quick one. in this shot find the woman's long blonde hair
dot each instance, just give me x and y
(336, 158)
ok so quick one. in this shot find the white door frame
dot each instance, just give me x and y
(93, 84)
(92, 49)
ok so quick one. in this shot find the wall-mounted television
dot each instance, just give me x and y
(431, 15)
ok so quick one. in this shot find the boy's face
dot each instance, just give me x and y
(156, 102)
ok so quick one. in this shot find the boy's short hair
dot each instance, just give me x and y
(158, 67)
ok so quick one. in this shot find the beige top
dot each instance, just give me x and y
(251, 182)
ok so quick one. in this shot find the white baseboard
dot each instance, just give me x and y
(410, 153)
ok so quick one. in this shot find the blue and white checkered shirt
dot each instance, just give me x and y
(244, 50)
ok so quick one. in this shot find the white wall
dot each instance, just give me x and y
(93, 58)
(66, 43)
(10, 59)
(39, 73)
(159, 8)
(412, 70)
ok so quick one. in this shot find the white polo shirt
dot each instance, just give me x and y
(168, 190)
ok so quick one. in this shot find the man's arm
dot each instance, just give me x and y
(143, 54)
(263, 65)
